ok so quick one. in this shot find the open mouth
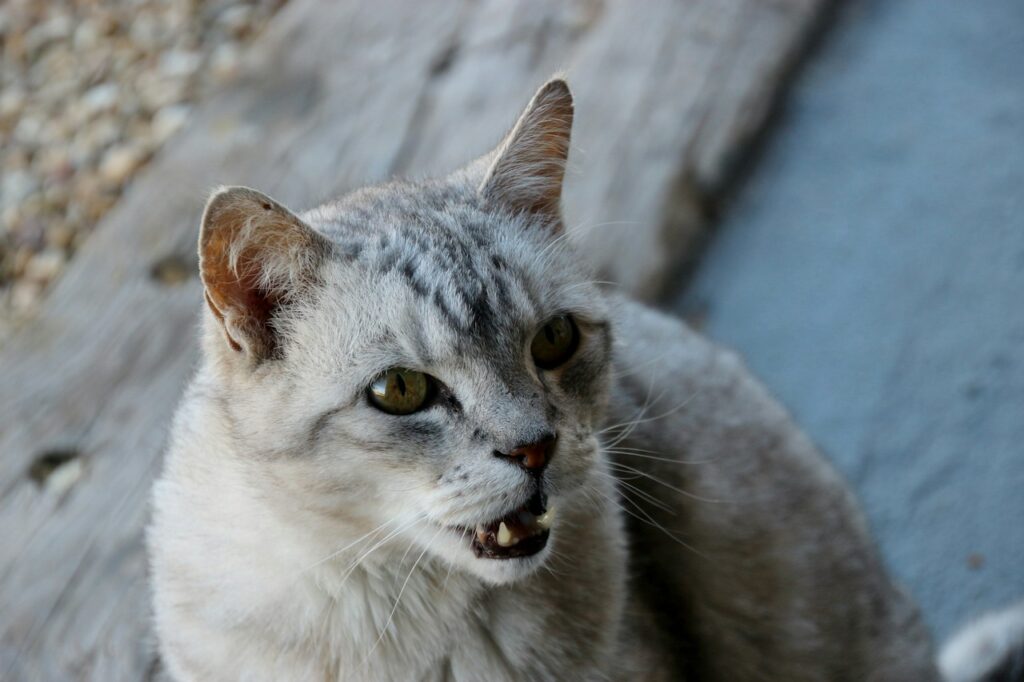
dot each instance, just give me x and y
(520, 533)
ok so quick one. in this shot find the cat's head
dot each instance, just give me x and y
(424, 359)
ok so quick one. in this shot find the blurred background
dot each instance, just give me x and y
(871, 272)
(835, 189)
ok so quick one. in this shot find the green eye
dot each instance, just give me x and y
(555, 343)
(401, 391)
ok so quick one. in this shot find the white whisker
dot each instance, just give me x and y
(355, 564)
(346, 547)
(654, 524)
(642, 454)
(618, 466)
(401, 591)
(644, 495)
(645, 420)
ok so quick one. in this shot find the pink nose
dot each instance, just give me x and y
(533, 456)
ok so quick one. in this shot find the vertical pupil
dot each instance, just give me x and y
(400, 383)
(549, 333)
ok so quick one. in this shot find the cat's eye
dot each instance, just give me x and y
(401, 391)
(555, 343)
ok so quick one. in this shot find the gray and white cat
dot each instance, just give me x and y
(423, 445)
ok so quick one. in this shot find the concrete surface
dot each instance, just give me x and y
(871, 270)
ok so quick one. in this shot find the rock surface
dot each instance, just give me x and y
(872, 273)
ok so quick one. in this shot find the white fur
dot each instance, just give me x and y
(983, 645)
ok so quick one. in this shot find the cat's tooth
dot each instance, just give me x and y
(547, 519)
(481, 533)
(504, 535)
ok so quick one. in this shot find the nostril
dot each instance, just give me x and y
(533, 457)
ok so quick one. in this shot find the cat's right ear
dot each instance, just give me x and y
(527, 168)
(255, 256)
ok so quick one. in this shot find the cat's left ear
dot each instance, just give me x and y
(255, 258)
(527, 168)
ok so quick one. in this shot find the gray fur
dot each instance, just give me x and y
(699, 535)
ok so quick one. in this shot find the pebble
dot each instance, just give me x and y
(88, 92)
(44, 266)
(120, 162)
(225, 62)
(179, 63)
(60, 237)
(169, 120)
(236, 20)
(100, 98)
(25, 296)
(17, 186)
(171, 270)
(12, 101)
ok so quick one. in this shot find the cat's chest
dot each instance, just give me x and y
(430, 629)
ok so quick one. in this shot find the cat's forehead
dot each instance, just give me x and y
(430, 264)
(436, 219)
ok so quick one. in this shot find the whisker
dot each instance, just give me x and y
(641, 454)
(348, 546)
(588, 283)
(654, 524)
(645, 420)
(630, 448)
(640, 419)
(625, 429)
(550, 569)
(639, 412)
(444, 586)
(646, 363)
(694, 496)
(558, 242)
(644, 495)
(401, 591)
(355, 564)
(582, 229)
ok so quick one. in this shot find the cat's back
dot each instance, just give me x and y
(728, 502)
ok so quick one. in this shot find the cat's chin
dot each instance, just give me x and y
(503, 572)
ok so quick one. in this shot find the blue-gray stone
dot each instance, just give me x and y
(871, 271)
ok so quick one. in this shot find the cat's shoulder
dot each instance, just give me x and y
(649, 341)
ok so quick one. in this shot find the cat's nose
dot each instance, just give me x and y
(533, 457)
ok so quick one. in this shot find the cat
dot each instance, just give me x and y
(422, 444)
(991, 649)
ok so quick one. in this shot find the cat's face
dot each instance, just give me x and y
(427, 362)
(456, 345)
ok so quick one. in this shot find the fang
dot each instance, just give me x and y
(504, 535)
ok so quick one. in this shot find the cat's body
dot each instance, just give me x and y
(300, 533)
(785, 585)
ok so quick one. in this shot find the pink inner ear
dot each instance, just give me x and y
(239, 303)
(236, 298)
(235, 346)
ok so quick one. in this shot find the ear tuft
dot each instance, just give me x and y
(254, 257)
(528, 166)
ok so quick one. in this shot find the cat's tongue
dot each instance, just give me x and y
(521, 533)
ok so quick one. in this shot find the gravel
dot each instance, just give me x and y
(89, 91)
